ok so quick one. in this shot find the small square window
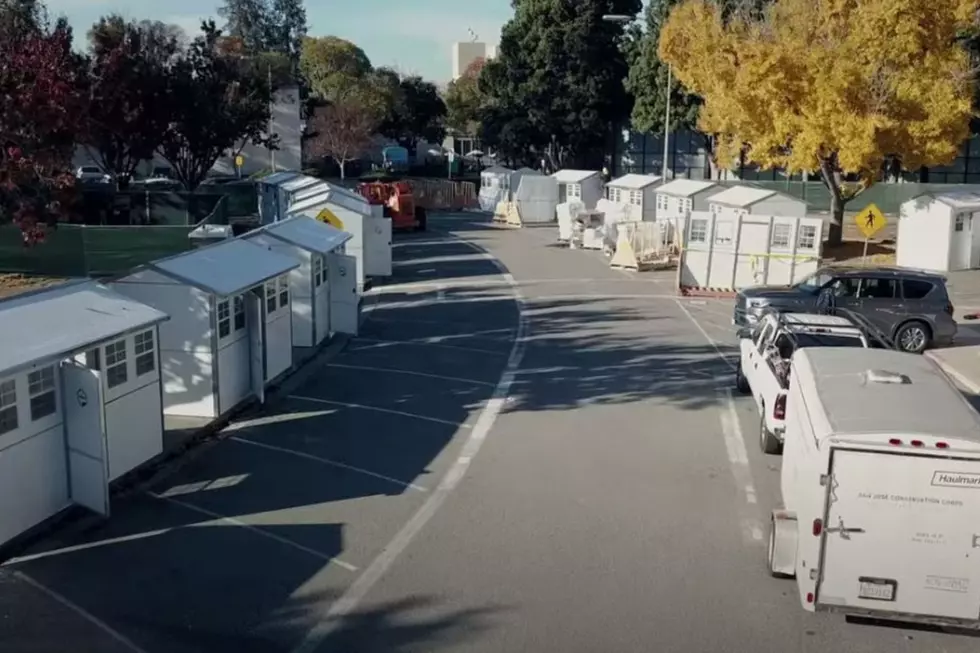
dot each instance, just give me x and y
(318, 271)
(40, 387)
(699, 231)
(780, 235)
(224, 319)
(284, 291)
(270, 297)
(960, 222)
(239, 313)
(115, 361)
(145, 357)
(807, 238)
(8, 406)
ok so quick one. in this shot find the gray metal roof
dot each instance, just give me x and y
(56, 322)
(226, 268)
(849, 403)
(306, 233)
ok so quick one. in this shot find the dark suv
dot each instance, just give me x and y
(909, 306)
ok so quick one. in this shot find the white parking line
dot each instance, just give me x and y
(738, 460)
(82, 612)
(704, 333)
(419, 343)
(376, 409)
(352, 598)
(328, 462)
(391, 370)
(257, 530)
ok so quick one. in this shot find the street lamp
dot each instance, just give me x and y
(624, 19)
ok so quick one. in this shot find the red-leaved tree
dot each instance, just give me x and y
(342, 131)
(41, 114)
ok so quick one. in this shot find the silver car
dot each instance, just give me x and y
(909, 306)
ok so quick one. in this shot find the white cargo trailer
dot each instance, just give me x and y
(881, 488)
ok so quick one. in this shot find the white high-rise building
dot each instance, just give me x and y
(465, 53)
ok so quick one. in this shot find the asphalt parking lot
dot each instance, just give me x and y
(245, 544)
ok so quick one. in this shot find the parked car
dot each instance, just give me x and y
(911, 307)
(92, 174)
(764, 360)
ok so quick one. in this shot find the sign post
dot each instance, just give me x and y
(869, 221)
(239, 162)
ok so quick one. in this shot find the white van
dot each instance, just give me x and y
(881, 488)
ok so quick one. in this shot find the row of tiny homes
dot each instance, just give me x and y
(286, 194)
(97, 368)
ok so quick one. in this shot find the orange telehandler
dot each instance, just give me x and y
(398, 202)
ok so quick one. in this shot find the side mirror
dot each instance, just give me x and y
(744, 332)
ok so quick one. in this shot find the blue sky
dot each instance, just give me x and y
(416, 36)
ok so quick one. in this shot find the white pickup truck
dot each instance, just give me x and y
(880, 484)
(765, 352)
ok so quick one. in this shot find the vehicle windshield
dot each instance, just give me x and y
(827, 340)
(814, 282)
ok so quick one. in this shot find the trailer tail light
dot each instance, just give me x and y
(809, 597)
(917, 443)
(942, 445)
(817, 527)
(949, 308)
(895, 441)
(779, 408)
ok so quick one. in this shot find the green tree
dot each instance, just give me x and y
(464, 100)
(287, 28)
(215, 103)
(559, 74)
(417, 113)
(248, 21)
(333, 67)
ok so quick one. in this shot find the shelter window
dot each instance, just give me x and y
(8, 406)
(239, 303)
(574, 190)
(115, 363)
(636, 197)
(699, 231)
(284, 291)
(317, 271)
(614, 194)
(224, 319)
(145, 357)
(270, 297)
(960, 222)
(661, 202)
(40, 386)
(808, 237)
(780, 235)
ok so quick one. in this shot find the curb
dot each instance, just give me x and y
(950, 371)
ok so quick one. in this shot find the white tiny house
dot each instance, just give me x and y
(230, 332)
(494, 187)
(940, 231)
(748, 200)
(635, 195)
(80, 401)
(348, 211)
(324, 288)
(583, 186)
(676, 199)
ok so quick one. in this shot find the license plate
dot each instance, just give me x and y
(877, 589)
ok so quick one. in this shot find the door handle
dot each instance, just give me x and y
(843, 531)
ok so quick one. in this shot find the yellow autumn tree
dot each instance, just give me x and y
(828, 86)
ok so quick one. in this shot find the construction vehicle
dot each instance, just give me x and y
(398, 202)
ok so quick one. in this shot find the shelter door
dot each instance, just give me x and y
(88, 446)
(344, 300)
(255, 318)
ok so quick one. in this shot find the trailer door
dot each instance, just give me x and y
(902, 534)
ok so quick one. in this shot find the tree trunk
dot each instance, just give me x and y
(342, 164)
(711, 171)
(832, 179)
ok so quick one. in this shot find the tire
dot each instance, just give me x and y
(771, 551)
(421, 218)
(741, 383)
(768, 443)
(913, 337)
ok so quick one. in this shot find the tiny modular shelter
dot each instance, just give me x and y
(80, 399)
(324, 286)
(583, 186)
(494, 187)
(635, 195)
(278, 191)
(536, 199)
(230, 332)
(370, 242)
(940, 231)
(748, 200)
(677, 198)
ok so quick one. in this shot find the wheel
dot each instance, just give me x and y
(913, 337)
(771, 552)
(421, 218)
(768, 442)
(741, 383)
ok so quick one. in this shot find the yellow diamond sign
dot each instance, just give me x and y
(328, 216)
(870, 220)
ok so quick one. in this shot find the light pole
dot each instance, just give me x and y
(624, 19)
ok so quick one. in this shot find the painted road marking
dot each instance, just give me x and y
(704, 333)
(391, 370)
(257, 530)
(89, 545)
(329, 462)
(738, 460)
(480, 283)
(379, 344)
(350, 600)
(82, 612)
(379, 410)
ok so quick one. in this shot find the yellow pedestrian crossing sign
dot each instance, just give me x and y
(328, 216)
(870, 220)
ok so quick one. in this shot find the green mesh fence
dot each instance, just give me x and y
(888, 197)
